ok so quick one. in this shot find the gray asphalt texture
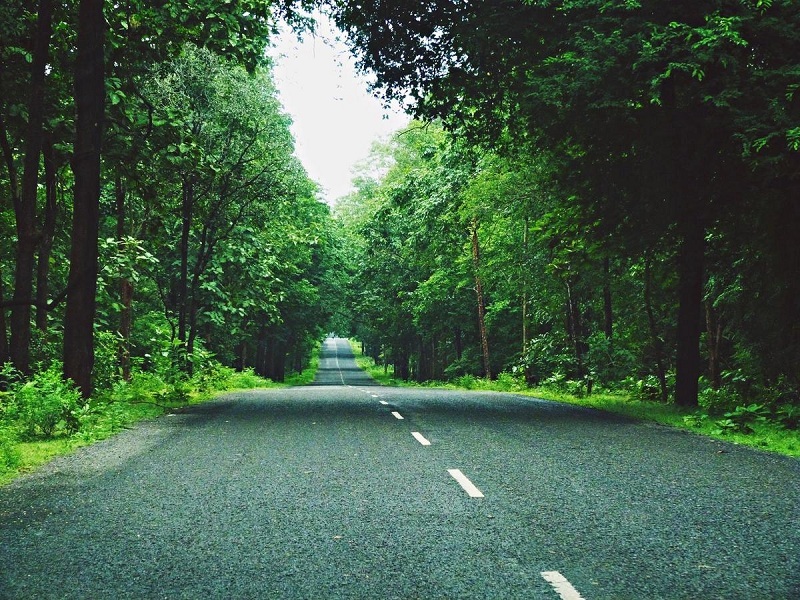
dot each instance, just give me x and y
(319, 492)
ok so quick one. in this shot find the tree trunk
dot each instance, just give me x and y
(658, 343)
(575, 327)
(608, 309)
(187, 202)
(25, 208)
(4, 355)
(476, 263)
(525, 233)
(425, 370)
(90, 104)
(714, 341)
(691, 255)
(401, 366)
(125, 291)
(48, 233)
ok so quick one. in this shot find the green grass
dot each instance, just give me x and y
(147, 397)
(767, 436)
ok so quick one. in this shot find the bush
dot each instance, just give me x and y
(742, 419)
(510, 382)
(717, 402)
(789, 416)
(208, 374)
(246, 379)
(176, 394)
(44, 402)
(546, 355)
(646, 389)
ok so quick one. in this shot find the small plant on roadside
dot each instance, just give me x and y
(697, 419)
(510, 382)
(789, 416)
(176, 394)
(742, 419)
(646, 389)
(44, 403)
(718, 401)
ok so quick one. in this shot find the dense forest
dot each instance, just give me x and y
(155, 221)
(596, 193)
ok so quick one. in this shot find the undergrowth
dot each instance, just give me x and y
(43, 416)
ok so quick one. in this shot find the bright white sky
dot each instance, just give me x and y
(335, 118)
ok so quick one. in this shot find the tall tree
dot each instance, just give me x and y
(90, 114)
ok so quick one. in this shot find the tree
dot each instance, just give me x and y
(624, 88)
(90, 107)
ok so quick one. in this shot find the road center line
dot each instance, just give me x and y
(397, 415)
(420, 438)
(339, 367)
(465, 483)
(384, 402)
(560, 584)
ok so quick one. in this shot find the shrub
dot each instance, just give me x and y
(510, 382)
(718, 401)
(44, 402)
(247, 379)
(789, 416)
(646, 389)
(742, 419)
(176, 394)
(208, 374)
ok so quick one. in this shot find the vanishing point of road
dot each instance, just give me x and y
(348, 489)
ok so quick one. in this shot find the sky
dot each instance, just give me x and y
(336, 119)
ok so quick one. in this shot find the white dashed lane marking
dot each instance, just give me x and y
(384, 402)
(420, 438)
(465, 483)
(397, 415)
(560, 584)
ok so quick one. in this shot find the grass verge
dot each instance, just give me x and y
(768, 435)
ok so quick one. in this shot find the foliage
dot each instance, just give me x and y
(9, 453)
(742, 419)
(43, 404)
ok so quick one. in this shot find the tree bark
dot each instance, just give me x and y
(714, 341)
(4, 354)
(25, 207)
(187, 203)
(90, 105)
(691, 256)
(125, 289)
(476, 263)
(525, 232)
(575, 326)
(48, 233)
(608, 308)
(658, 343)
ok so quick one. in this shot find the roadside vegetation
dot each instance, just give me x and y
(757, 426)
(43, 416)
(194, 255)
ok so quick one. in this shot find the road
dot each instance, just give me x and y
(347, 489)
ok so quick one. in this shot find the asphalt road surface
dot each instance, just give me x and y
(347, 489)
